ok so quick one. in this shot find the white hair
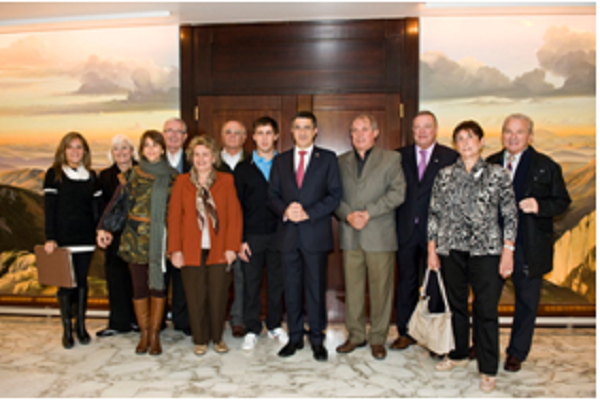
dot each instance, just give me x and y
(119, 139)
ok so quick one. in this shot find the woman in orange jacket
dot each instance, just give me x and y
(204, 235)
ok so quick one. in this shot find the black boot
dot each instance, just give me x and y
(64, 304)
(82, 335)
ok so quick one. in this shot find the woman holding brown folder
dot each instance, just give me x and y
(71, 211)
(148, 187)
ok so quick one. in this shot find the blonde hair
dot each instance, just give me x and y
(60, 156)
(207, 142)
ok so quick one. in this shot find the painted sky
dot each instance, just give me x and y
(99, 82)
(485, 68)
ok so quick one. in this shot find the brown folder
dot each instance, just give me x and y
(55, 269)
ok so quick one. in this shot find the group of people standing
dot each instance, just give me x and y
(197, 217)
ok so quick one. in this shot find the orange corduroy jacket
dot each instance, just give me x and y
(183, 233)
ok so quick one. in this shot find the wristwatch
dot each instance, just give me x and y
(509, 247)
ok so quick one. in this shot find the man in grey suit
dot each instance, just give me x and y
(373, 187)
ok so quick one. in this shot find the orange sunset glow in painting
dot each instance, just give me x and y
(97, 82)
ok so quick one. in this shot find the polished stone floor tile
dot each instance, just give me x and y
(33, 364)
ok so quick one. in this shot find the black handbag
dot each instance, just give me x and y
(116, 212)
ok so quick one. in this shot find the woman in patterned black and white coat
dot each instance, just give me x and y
(468, 244)
(71, 212)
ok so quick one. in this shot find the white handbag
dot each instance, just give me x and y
(432, 330)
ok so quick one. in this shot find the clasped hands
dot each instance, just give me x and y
(295, 212)
(358, 219)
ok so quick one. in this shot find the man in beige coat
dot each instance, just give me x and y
(373, 187)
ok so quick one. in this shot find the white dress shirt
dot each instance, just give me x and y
(174, 160)
(306, 157)
(515, 162)
(231, 160)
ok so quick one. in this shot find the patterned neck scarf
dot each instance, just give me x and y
(205, 205)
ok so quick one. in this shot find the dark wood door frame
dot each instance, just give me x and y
(301, 58)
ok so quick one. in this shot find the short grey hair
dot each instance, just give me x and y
(176, 119)
(118, 139)
(520, 116)
(368, 117)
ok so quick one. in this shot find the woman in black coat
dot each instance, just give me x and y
(71, 212)
(121, 317)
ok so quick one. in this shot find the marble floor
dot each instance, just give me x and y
(33, 364)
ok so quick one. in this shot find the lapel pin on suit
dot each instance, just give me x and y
(316, 154)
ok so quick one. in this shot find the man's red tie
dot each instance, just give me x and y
(300, 170)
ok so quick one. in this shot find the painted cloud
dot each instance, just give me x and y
(567, 54)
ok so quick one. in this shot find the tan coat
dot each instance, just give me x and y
(380, 190)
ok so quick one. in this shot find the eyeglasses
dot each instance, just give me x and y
(174, 131)
(229, 132)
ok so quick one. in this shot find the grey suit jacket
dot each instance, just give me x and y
(380, 190)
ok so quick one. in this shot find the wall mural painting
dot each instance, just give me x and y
(97, 82)
(486, 68)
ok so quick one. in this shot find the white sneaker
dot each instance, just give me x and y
(249, 341)
(279, 333)
(447, 364)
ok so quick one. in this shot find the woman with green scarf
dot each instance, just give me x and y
(143, 241)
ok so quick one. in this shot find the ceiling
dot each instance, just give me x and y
(44, 16)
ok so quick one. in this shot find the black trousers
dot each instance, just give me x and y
(120, 293)
(460, 270)
(527, 299)
(305, 273)
(263, 255)
(81, 267)
(179, 311)
(412, 261)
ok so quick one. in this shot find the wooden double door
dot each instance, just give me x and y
(334, 114)
(337, 70)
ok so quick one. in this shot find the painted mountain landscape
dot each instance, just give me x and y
(98, 82)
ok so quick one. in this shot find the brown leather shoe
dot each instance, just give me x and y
(402, 342)
(238, 331)
(378, 351)
(348, 346)
(472, 352)
(512, 364)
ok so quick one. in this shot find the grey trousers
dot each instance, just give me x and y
(378, 269)
(237, 308)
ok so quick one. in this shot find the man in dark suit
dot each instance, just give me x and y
(421, 162)
(304, 190)
(233, 138)
(175, 134)
(541, 195)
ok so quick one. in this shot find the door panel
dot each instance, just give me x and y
(214, 111)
